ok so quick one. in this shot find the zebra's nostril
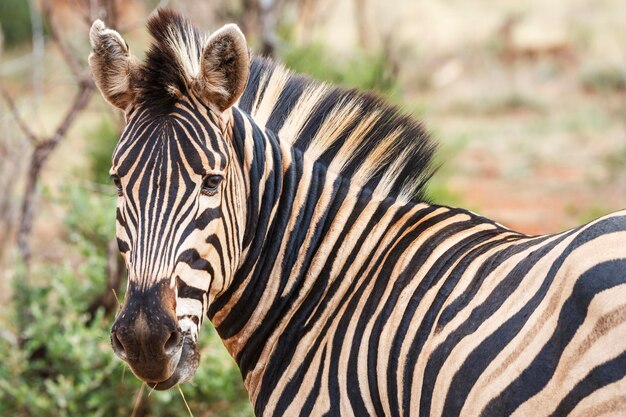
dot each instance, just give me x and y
(173, 342)
(118, 347)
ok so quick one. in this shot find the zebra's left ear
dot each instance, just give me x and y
(224, 68)
(112, 66)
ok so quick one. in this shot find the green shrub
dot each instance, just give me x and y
(102, 141)
(64, 365)
(15, 21)
(365, 71)
(605, 80)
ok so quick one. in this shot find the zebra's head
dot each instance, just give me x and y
(179, 189)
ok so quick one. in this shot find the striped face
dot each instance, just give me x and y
(173, 227)
(180, 193)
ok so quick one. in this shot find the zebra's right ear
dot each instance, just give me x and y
(224, 67)
(112, 65)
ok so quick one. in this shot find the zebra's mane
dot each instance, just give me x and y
(172, 62)
(355, 134)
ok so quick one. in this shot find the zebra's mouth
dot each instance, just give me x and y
(184, 370)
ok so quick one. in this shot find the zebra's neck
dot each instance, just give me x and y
(313, 240)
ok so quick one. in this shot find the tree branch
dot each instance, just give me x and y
(30, 135)
(43, 147)
(80, 102)
(72, 61)
(115, 269)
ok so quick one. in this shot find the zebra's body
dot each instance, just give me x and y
(336, 287)
(397, 299)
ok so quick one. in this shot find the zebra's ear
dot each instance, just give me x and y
(112, 65)
(224, 68)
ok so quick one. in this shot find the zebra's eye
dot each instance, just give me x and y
(118, 184)
(210, 184)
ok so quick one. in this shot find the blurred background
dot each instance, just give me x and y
(527, 100)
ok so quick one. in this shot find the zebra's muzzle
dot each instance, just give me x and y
(185, 368)
(177, 365)
(146, 335)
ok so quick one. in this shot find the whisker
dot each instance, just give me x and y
(184, 400)
(137, 400)
(152, 390)
(116, 298)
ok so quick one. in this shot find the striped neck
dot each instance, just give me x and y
(312, 240)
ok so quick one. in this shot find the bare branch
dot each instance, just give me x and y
(72, 61)
(362, 24)
(86, 9)
(30, 135)
(115, 268)
(38, 43)
(80, 102)
(39, 157)
(44, 147)
(268, 22)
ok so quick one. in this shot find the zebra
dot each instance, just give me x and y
(293, 214)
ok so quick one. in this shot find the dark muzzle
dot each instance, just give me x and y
(145, 333)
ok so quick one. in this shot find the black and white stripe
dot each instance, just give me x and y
(337, 287)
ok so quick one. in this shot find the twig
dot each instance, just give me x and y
(138, 398)
(72, 61)
(184, 400)
(38, 42)
(80, 102)
(41, 153)
(114, 269)
(43, 148)
(116, 298)
(30, 135)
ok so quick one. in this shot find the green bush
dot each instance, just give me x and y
(102, 141)
(365, 71)
(63, 364)
(15, 21)
(605, 80)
